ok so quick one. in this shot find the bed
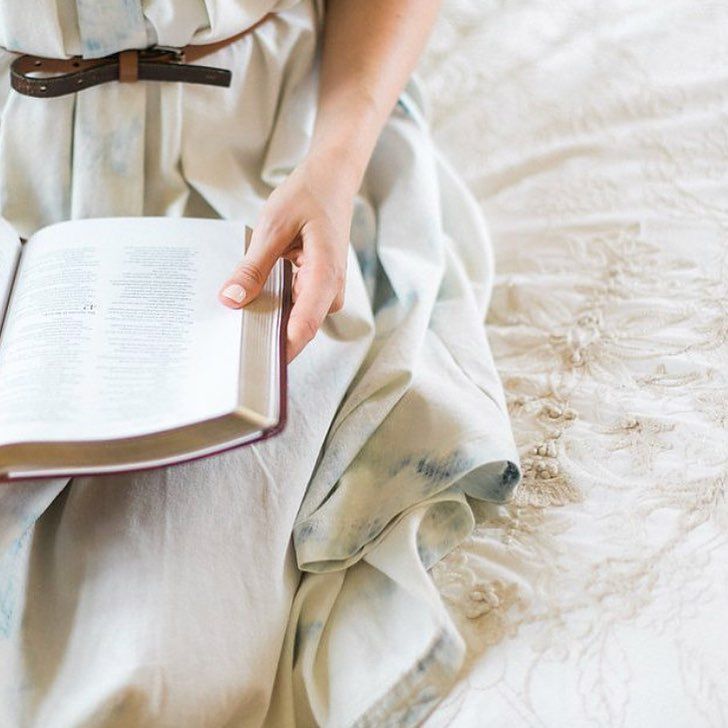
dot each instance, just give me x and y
(595, 136)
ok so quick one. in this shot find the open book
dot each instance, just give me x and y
(116, 354)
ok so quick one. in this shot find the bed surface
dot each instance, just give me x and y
(595, 136)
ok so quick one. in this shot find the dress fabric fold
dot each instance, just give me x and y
(284, 583)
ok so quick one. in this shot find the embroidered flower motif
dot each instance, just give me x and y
(611, 340)
(485, 603)
(642, 437)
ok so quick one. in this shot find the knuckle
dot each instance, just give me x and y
(267, 227)
(274, 227)
(250, 273)
(339, 276)
(335, 274)
(308, 327)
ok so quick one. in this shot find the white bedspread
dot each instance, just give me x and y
(595, 135)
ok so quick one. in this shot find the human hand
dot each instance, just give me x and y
(307, 219)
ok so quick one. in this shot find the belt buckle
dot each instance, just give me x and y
(162, 54)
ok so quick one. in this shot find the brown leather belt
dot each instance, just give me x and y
(48, 77)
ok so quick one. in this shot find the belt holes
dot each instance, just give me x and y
(76, 64)
(44, 88)
(38, 63)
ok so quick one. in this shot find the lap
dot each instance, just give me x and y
(158, 588)
(166, 593)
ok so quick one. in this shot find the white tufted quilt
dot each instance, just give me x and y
(595, 135)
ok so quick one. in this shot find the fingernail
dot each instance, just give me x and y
(235, 293)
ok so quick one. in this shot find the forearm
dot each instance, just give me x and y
(370, 48)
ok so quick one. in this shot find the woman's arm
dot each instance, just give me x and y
(369, 51)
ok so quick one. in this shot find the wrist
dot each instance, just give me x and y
(343, 141)
(336, 163)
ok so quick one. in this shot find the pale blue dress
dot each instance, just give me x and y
(282, 584)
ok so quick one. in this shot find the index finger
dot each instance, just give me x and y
(318, 283)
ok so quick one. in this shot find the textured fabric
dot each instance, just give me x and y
(594, 136)
(288, 578)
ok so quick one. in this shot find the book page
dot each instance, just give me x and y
(9, 255)
(115, 329)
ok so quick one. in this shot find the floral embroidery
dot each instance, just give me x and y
(609, 326)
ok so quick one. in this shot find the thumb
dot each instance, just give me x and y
(266, 245)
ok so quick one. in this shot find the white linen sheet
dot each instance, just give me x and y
(594, 136)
